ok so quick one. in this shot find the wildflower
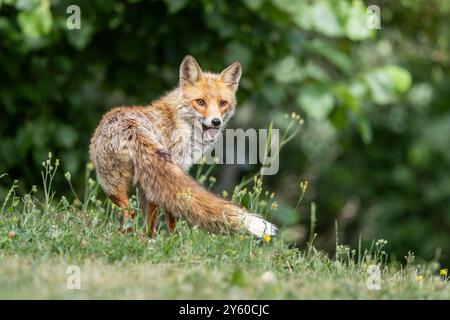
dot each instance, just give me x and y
(267, 238)
(57, 162)
(419, 279)
(341, 249)
(443, 272)
(304, 185)
(274, 205)
(259, 182)
(381, 242)
(295, 116)
(90, 166)
(64, 201)
(49, 155)
(11, 234)
(272, 195)
(67, 175)
(34, 189)
(186, 195)
(262, 203)
(268, 277)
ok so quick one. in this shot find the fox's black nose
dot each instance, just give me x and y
(216, 122)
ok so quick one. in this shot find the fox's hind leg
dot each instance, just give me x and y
(171, 222)
(150, 212)
(151, 218)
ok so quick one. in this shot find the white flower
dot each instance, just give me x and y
(268, 277)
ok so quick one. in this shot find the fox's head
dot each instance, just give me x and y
(210, 97)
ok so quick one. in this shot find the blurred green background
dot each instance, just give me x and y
(375, 146)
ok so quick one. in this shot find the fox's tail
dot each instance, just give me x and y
(167, 185)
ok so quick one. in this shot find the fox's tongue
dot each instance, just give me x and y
(211, 133)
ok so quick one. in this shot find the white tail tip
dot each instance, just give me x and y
(258, 226)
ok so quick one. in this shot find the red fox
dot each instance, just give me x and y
(145, 146)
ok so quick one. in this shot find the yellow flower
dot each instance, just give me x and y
(274, 205)
(267, 238)
(186, 195)
(419, 279)
(304, 185)
(443, 272)
(90, 166)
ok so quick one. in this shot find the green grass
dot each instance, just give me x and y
(40, 237)
(189, 264)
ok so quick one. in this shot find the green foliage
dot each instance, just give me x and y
(375, 144)
(312, 95)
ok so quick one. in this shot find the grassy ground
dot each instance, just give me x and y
(188, 265)
(41, 239)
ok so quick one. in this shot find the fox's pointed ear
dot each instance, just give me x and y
(232, 74)
(189, 70)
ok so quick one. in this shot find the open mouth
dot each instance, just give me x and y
(210, 133)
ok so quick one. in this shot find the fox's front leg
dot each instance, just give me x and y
(121, 200)
(151, 219)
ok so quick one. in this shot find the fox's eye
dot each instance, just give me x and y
(223, 103)
(200, 102)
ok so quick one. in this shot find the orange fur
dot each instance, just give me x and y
(138, 145)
